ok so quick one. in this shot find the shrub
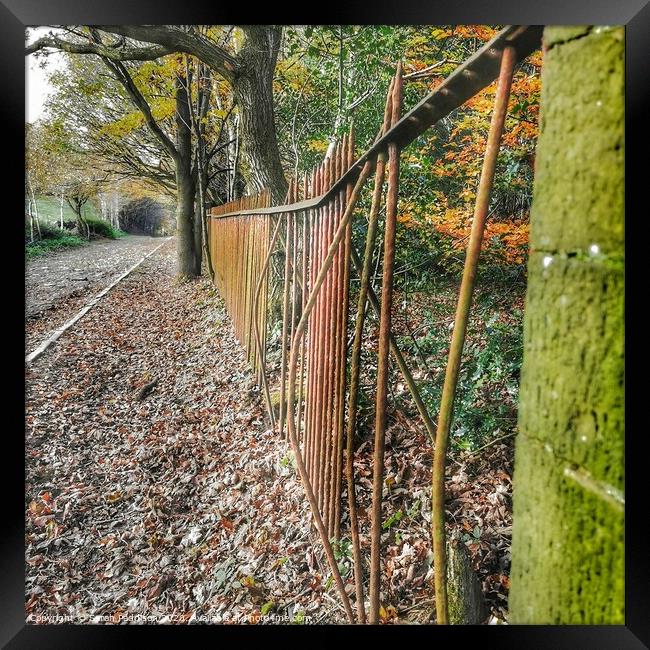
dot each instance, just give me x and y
(101, 228)
(488, 383)
(46, 245)
(50, 231)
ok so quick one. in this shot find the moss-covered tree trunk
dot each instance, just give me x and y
(568, 546)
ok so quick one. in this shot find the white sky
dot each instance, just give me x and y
(37, 86)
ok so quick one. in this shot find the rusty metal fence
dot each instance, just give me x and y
(318, 382)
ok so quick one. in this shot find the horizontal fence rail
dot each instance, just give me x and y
(307, 369)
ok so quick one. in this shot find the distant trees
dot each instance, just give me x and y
(245, 58)
(56, 168)
(144, 216)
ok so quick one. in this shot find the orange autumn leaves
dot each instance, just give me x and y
(455, 159)
(507, 239)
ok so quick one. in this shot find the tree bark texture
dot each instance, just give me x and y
(253, 93)
(185, 189)
(466, 604)
(568, 534)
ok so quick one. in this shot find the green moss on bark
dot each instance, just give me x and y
(568, 546)
(578, 194)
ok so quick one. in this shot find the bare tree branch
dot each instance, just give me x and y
(125, 53)
(176, 39)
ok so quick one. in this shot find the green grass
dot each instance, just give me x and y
(47, 245)
(49, 210)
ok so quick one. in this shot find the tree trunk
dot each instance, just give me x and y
(82, 224)
(185, 224)
(31, 220)
(198, 228)
(253, 93)
(185, 188)
(466, 602)
(61, 211)
(568, 536)
(35, 211)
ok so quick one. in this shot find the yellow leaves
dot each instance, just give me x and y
(318, 145)
(216, 112)
(123, 126)
(294, 75)
(37, 509)
(535, 59)
(480, 32)
(114, 497)
(467, 195)
(247, 581)
(387, 614)
(408, 213)
(439, 33)
(163, 108)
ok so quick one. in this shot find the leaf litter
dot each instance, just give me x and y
(176, 504)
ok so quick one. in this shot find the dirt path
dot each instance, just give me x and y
(179, 506)
(58, 284)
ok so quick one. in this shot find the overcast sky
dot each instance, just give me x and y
(37, 87)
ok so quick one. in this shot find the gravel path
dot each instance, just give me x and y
(58, 284)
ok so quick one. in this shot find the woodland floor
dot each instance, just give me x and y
(181, 506)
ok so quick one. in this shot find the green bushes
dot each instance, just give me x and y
(50, 231)
(488, 385)
(100, 228)
(64, 240)
(53, 238)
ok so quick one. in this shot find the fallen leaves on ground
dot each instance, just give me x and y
(179, 506)
(60, 283)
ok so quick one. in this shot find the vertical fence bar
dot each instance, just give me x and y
(294, 267)
(318, 227)
(364, 274)
(285, 314)
(338, 364)
(382, 361)
(331, 357)
(303, 295)
(328, 369)
(312, 388)
(342, 352)
(460, 327)
(320, 386)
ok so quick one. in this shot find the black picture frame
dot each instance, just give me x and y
(15, 15)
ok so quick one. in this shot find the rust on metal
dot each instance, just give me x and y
(318, 251)
(355, 367)
(285, 313)
(382, 356)
(460, 328)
